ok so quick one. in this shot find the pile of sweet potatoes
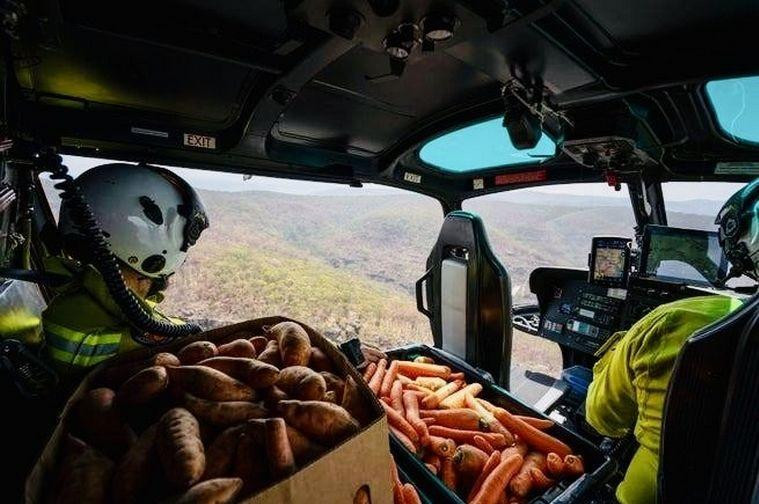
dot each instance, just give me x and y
(209, 424)
(480, 451)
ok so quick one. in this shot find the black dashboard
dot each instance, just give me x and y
(581, 315)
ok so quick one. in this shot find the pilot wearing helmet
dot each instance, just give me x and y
(631, 378)
(149, 218)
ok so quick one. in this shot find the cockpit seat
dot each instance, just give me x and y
(468, 296)
(710, 429)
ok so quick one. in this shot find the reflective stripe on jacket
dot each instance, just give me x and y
(83, 326)
(631, 378)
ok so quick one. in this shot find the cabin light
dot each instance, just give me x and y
(401, 41)
(439, 27)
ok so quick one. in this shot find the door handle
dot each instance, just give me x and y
(420, 294)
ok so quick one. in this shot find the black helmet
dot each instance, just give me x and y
(738, 223)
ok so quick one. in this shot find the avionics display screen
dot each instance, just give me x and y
(690, 256)
(609, 261)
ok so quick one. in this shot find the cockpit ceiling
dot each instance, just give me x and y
(306, 88)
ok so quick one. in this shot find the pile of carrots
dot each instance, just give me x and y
(480, 451)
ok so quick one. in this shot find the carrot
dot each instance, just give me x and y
(432, 400)
(411, 408)
(389, 379)
(457, 400)
(410, 495)
(493, 424)
(440, 446)
(405, 380)
(539, 479)
(415, 369)
(573, 466)
(459, 418)
(457, 376)
(396, 397)
(418, 388)
(496, 482)
(433, 460)
(536, 438)
(522, 482)
(467, 436)
(396, 420)
(405, 441)
(492, 462)
(554, 465)
(469, 461)
(448, 474)
(431, 382)
(397, 485)
(376, 382)
(519, 448)
(431, 468)
(538, 423)
(428, 421)
(369, 371)
(483, 444)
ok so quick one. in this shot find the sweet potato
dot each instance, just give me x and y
(238, 348)
(114, 375)
(223, 413)
(274, 394)
(304, 450)
(196, 352)
(259, 343)
(279, 453)
(318, 361)
(300, 382)
(143, 386)
(252, 372)
(96, 418)
(213, 491)
(209, 383)
(84, 475)
(353, 403)
(220, 454)
(133, 472)
(271, 354)
(294, 343)
(180, 449)
(323, 422)
(335, 384)
(250, 463)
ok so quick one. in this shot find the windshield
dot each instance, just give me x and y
(736, 105)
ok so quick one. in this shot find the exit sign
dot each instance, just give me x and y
(199, 141)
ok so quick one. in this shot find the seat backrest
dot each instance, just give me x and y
(469, 296)
(694, 407)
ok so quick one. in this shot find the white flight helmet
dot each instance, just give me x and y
(149, 216)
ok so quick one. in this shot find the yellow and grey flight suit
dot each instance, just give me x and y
(630, 383)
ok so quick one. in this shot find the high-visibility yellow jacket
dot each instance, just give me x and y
(631, 378)
(83, 326)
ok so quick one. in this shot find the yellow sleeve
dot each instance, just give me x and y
(611, 406)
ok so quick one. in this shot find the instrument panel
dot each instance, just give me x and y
(581, 315)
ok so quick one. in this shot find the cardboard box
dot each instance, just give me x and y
(363, 459)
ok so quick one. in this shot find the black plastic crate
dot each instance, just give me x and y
(405, 478)
(598, 466)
